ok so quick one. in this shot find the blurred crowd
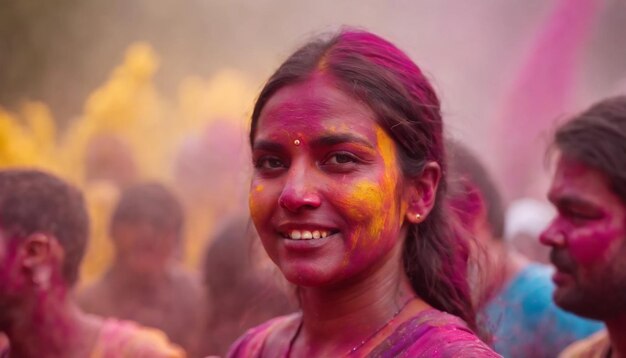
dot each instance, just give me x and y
(165, 185)
(171, 246)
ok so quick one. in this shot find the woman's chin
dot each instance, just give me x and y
(307, 275)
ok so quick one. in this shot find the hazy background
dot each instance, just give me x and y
(106, 93)
(59, 51)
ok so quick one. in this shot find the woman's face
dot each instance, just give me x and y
(326, 196)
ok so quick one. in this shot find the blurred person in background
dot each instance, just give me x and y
(108, 158)
(146, 282)
(243, 287)
(516, 292)
(210, 174)
(109, 165)
(525, 220)
(588, 236)
(43, 233)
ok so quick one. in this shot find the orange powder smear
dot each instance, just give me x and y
(386, 147)
(365, 198)
(255, 209)
(392, 170)
(323, 63)
(377, 198)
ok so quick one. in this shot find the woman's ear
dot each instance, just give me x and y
(421, 192)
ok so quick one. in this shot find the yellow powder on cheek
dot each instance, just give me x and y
(367, 203)
(364, 199)
(374, 202)
(391, 177)
(386, 147)
(363, 204)
(255, 202)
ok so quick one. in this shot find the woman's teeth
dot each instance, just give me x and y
(307, 235)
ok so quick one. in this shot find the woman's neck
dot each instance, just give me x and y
(51, 326)
(338, 319)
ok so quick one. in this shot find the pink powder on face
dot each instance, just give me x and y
(343, 175)
(596, 243)
(591, 217)
(8, 265)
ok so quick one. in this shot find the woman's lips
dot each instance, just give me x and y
(307, 234)
(305, 231)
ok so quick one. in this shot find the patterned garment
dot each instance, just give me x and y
(126, 339)
(431, 333)
(596, 346)
(525, 322)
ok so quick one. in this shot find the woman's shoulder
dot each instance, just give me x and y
(253, 342)
(432, 333)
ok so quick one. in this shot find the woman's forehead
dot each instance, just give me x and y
(316, 105)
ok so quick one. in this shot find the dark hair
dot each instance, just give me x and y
(152, 202)
(33, 201)
(597, 138)
(465, 166)
(373, 70)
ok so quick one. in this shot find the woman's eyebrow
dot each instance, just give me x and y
(334, 139)
(267, 145)
(323, 140)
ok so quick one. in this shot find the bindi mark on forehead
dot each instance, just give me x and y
(324, 140)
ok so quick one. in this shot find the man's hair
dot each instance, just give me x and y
(151, 202)
(33, 201)
(597, 138)
(466, 169)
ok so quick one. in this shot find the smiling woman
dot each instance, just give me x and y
(348, 198)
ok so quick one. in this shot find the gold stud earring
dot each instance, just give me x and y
(418, 217)
(296, 142)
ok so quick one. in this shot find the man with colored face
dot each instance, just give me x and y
(44, 229)
(514, 293)
(588, 236)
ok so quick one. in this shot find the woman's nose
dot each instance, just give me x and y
(300, 190)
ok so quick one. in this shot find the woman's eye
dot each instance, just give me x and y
(340, 161)
(269, 163)
(341, 158)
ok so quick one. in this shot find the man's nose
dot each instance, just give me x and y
(552, 236)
